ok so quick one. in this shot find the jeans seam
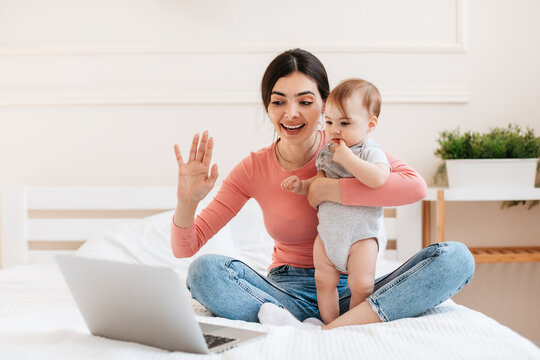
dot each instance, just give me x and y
(283, 269)
(242, 286)
(278, 270)
(422, 264)
(399, 267)
(375, 307)
(248, 291)
(255, 295)
(373, 299)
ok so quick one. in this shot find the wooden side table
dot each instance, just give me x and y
(481, 254)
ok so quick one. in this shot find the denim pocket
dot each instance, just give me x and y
(434, 250)
(278, 270)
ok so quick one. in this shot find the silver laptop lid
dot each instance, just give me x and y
(131, 302)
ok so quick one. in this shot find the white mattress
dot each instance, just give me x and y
(39, 320)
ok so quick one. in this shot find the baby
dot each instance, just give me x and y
(347, 240)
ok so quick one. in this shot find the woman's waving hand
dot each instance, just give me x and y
(195, 178)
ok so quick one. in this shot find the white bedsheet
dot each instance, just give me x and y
(39, 320)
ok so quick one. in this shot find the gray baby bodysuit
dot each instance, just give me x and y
(340, 226)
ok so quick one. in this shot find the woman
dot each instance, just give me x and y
(294, 89)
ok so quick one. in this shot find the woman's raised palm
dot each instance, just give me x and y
(194, 180)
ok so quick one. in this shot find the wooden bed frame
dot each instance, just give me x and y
(38, 222)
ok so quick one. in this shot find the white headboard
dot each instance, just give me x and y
(38, 222)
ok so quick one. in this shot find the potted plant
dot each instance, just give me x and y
(502, 157)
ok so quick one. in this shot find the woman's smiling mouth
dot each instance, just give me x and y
(292, 128)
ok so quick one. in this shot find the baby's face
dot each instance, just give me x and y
(352, 127)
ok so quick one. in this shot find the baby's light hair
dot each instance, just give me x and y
(371, 97)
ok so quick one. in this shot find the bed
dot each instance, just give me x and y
(39, 319)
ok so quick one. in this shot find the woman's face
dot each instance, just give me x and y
(295, 108)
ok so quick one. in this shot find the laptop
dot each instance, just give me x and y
(143, 304)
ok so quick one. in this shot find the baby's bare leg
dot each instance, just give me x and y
(326, 279)
(361, 268)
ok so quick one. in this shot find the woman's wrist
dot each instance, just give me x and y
(324, 189)
(184, 215)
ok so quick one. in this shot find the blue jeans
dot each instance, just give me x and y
(231, 289)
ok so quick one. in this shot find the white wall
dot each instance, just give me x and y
(104, 88)
(97, 92)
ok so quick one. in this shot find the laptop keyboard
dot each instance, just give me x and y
(213, 340)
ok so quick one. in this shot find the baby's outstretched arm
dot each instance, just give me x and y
(294, 185)
(300, 187)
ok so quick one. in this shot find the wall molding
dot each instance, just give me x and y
(97, 49)
(179, 97)
(220, 48)
(426, 96)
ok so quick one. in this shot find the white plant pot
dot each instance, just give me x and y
(491, 173)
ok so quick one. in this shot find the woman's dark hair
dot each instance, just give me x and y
(288, 62)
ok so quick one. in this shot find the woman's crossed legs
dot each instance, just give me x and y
(231, 289)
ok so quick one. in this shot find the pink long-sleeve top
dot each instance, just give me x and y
(289, 219)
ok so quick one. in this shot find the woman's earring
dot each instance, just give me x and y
(321, 122)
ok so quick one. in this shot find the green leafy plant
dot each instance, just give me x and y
(499, 143)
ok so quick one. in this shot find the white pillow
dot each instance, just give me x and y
(148, 241)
